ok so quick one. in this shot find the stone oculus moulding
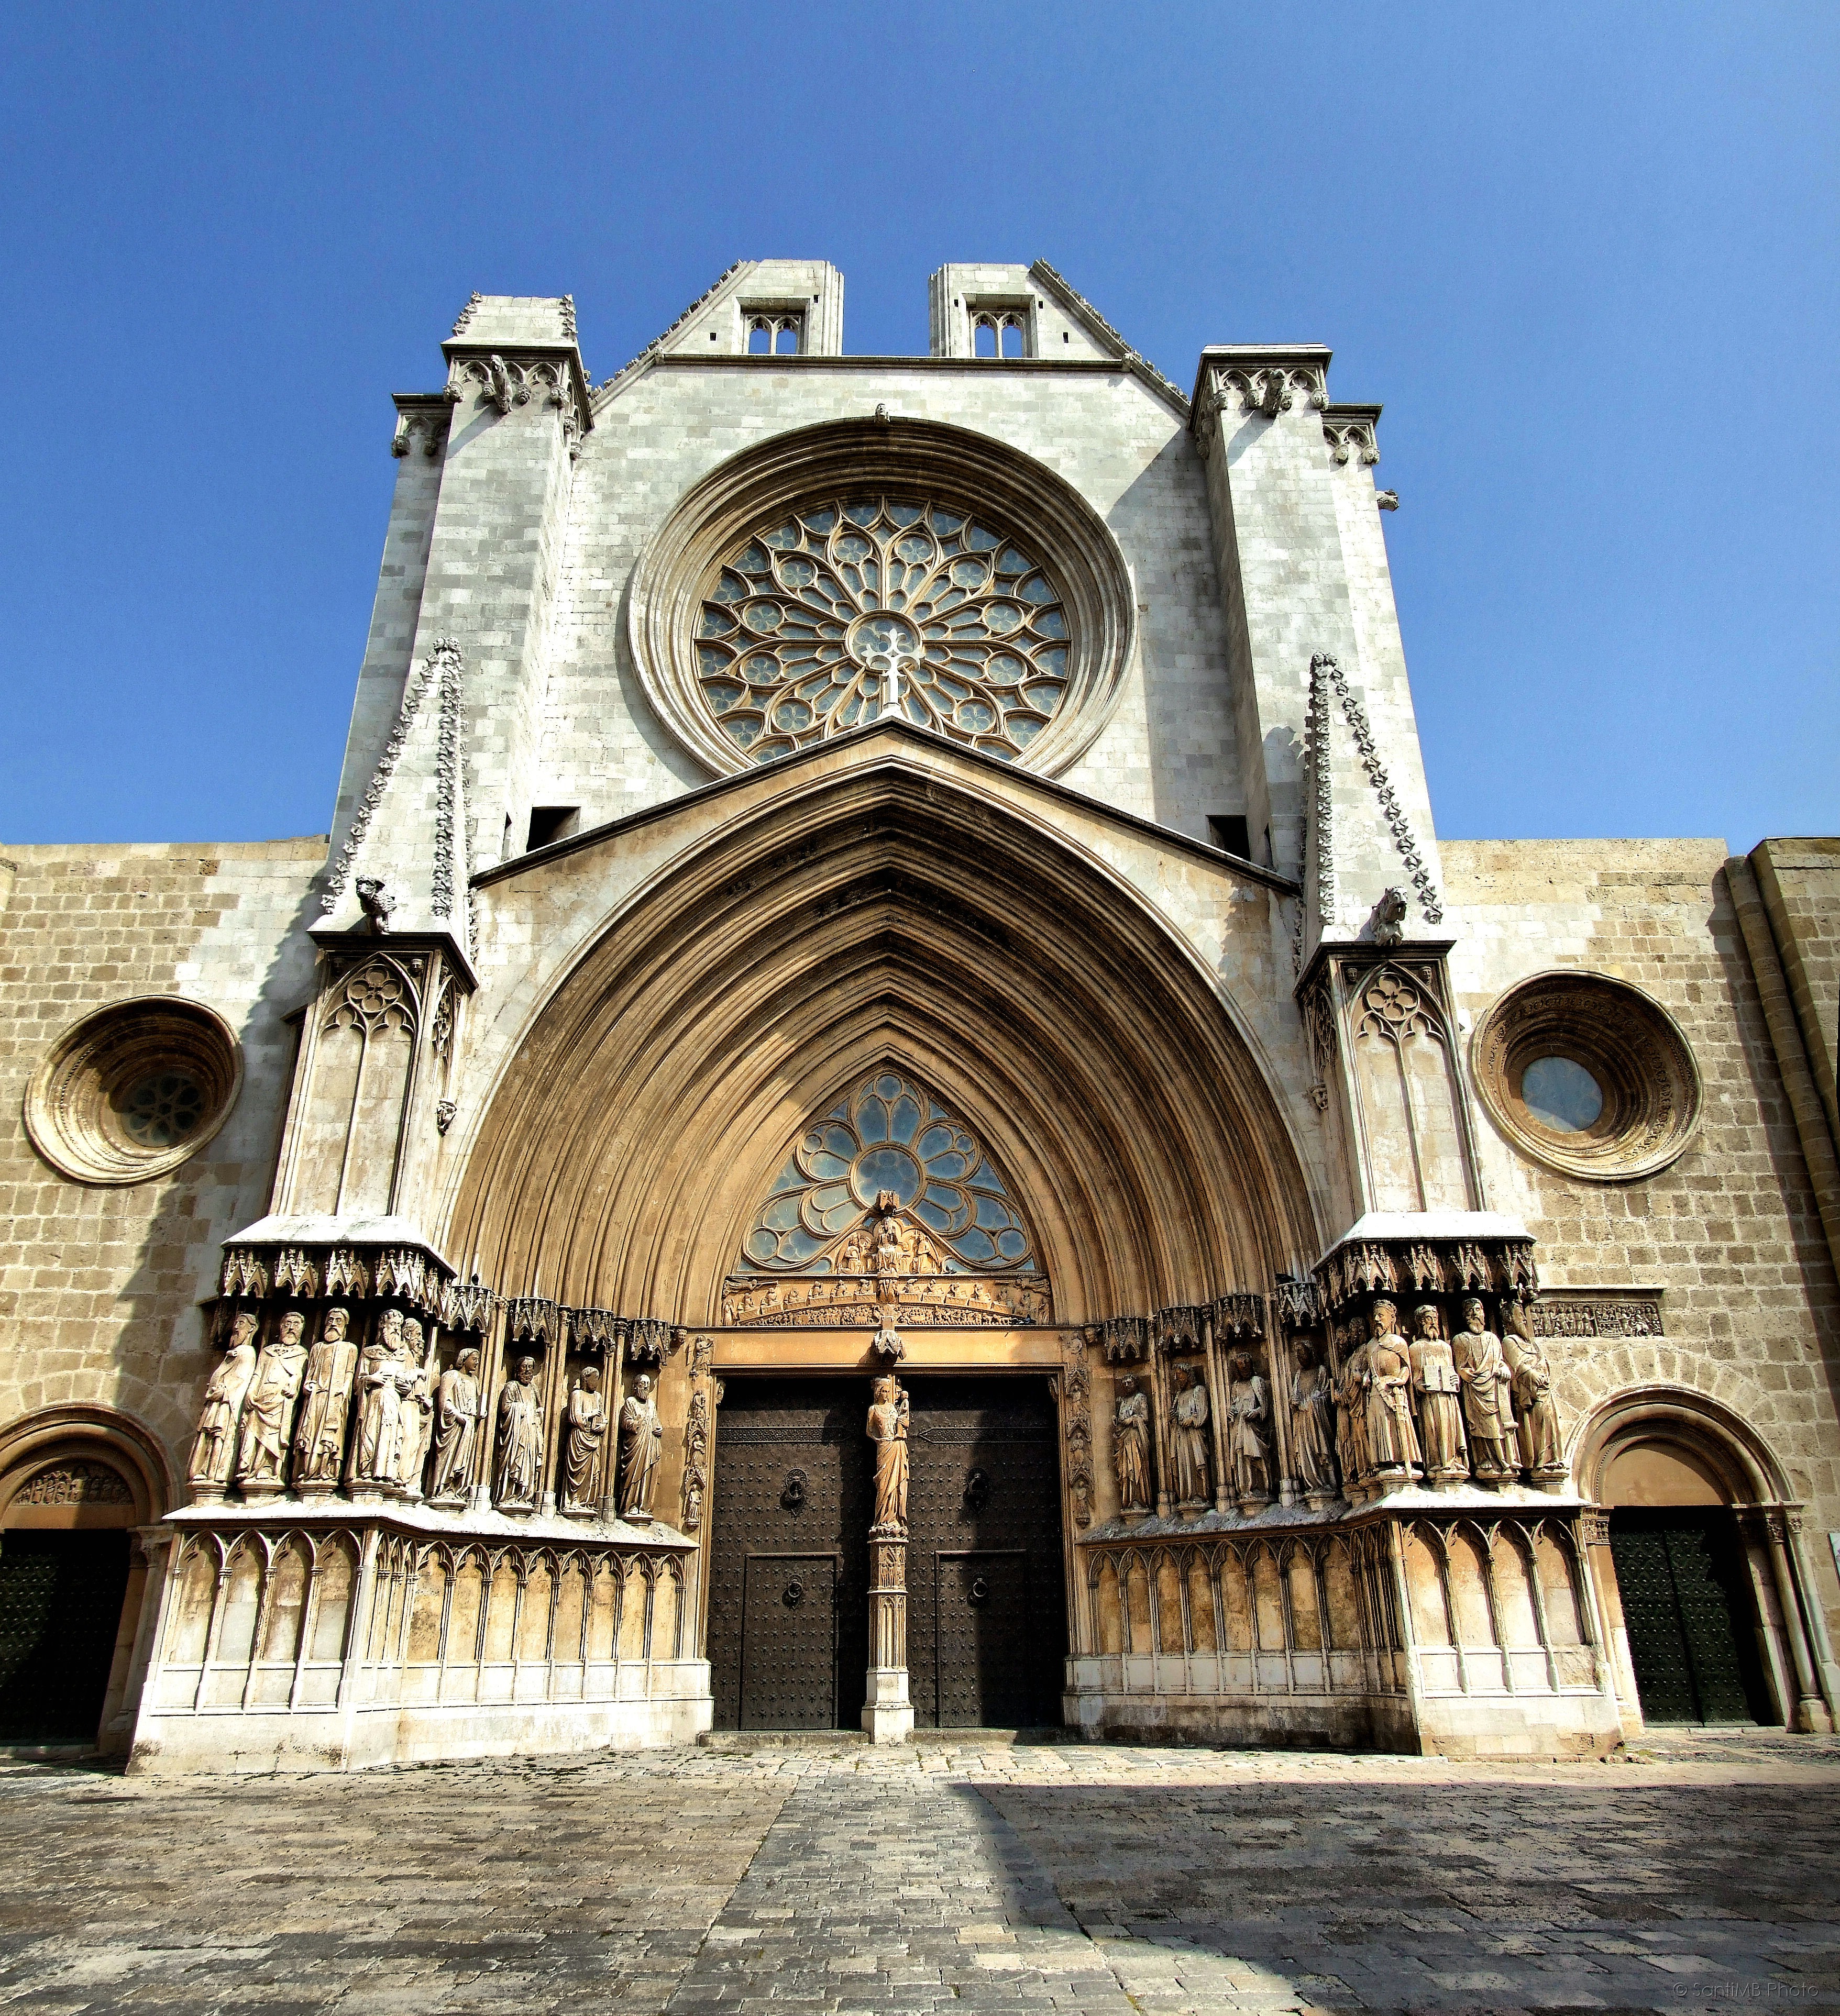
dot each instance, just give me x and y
(130, 1091)
(925, 462)
(1642, 1064)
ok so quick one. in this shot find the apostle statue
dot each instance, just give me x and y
(520, 1440)
(1540, 1451)
(1247, 1411)
(1130, 1446)
(456, 1428)
(1310, 1428)
(1188, 1438)
(380, 1404)
(268, 1410)
(325, 1398)
(1439, 1391)
(1357, 1458)
(641, 1442)
(586, 1431)
(416, 1411)
(1392, 1440)
(214, 1448)
(1488, 1403)
(888, 1431)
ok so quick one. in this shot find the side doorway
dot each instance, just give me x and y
(788, 1583)
(1689, 1617)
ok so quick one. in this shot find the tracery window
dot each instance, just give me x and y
(889, 1196)
(873, 606)
(1000, 332)
(775, 335)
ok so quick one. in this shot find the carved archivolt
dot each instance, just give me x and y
(811, 583)
(1625, 1044)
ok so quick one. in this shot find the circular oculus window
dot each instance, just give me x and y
(866, 570)
(129, 1092)
(1587, 1075)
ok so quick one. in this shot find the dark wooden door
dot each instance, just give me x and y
(986, 1606)
(789, 1582)
(1688, 1615)
(60, 1613)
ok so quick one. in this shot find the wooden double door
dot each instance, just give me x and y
(1690, 1619)
(789, 1589)
(60, 1611)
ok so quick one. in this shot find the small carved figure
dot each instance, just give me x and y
(1392, 1440)
(1488, 1405)
(269, 1408)
(214, 1447)
(642, 1442)
(520, 1441)
(325, 1398)
(1310, 1429)
(416, 1409)
(1389, 918)
(1439, 1391)
(379, 1403)
(456, 1426)
(1188, 1438)
(1357, 1457)
(1246, 1449)
(887, 1430)
(695, 1444)
(377, 903)
(587, 1431)
(1540, 1449)
(1130, 1446)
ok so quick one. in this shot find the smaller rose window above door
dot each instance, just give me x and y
(840, 614)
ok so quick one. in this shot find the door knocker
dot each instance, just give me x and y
(794, 1595)
(977, 1490)
(793, 1496)
(979, 1591)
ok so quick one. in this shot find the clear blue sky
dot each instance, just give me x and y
(1585, 255)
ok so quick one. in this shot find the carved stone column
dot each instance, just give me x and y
(1809, 1715)
(1211, 1358)
(887, 1712)
(1593, 1530)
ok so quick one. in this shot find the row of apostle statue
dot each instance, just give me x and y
(388, 1421)
(1392, 1412)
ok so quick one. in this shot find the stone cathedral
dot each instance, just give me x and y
(883, 1110)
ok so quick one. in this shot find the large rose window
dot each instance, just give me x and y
(862, 607)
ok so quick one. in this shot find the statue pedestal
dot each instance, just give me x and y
(888, 1713)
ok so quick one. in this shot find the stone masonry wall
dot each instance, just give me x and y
(100, 1286)
(1729, 1232)
(1169, 753)
(1799, 880)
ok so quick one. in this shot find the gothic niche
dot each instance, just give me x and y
(888, 1211)
(363, 1058)
(1405, 1079)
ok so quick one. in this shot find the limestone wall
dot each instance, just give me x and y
(1729, 1232)
(100, 1286)
(1169, 753)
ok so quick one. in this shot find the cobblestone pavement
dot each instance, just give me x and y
(1693, 1874)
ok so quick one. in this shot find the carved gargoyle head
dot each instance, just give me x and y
(1388, 920)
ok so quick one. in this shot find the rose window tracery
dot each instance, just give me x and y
(853, 610)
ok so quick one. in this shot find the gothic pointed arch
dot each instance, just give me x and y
(888, 912)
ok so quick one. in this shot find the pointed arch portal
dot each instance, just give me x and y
(889, 916)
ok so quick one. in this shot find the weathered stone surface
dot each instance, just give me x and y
(964, 1870)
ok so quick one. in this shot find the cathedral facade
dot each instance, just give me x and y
(883, 1109)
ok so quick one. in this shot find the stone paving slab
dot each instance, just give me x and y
(981, 1873)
